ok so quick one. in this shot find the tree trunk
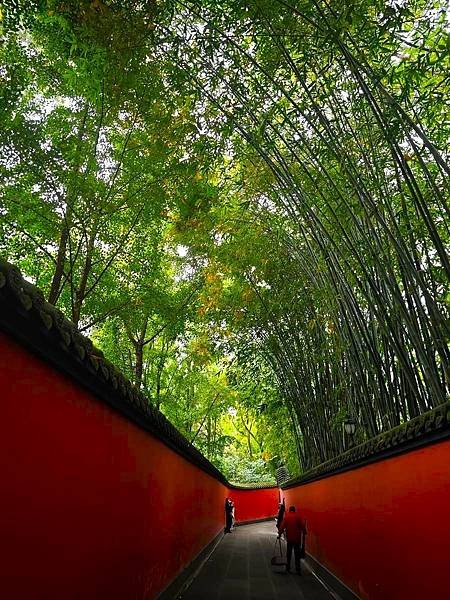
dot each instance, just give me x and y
(139, 363)
(80, 292)
(55, 289)
(57, 280)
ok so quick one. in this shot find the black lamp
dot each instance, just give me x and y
(350, 426)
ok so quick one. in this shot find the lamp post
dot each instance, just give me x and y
(282, 474)
(350, 428)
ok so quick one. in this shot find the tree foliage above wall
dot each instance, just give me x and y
(244, 203)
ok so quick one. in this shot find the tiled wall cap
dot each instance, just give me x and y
(399, 439)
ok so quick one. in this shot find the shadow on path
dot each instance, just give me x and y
(240, 569)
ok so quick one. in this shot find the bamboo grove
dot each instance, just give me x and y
(298, 151)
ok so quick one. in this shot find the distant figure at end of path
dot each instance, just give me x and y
(229, 513)
(295, 530)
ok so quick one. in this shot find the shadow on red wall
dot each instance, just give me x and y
(92, 506)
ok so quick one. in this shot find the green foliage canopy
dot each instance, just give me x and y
(244, 203)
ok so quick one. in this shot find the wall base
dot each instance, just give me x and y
(184, 579)
(336, 586)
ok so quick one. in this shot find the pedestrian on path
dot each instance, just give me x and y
(295, 530)
(233, 515)
(229, 513)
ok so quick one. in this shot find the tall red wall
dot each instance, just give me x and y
(91, 506)
(254, 504)
(384, 529)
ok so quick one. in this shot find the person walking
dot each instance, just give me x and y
(229, 510)
(295, 530)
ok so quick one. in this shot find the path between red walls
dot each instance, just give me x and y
(94, 507)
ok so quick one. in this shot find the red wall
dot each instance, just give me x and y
(384, 529)
(255, 504)
(91, 506)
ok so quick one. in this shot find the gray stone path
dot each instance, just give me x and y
(240, 569)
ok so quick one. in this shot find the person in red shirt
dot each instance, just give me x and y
(295, 529)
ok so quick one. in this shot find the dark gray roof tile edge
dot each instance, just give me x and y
(253, 486)
(28, 318)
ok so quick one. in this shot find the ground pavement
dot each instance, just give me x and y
(240, 569)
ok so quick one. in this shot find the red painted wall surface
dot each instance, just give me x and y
(255, 504)
(91, 506)
(384, 529)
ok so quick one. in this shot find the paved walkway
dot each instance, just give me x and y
(240, 569)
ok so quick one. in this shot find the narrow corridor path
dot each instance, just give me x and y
(240, 569)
